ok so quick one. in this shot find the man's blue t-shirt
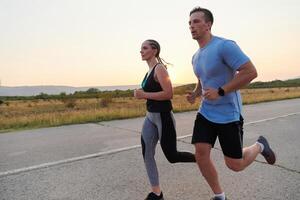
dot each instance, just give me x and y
(215, 65)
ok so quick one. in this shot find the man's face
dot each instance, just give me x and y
(198, 26)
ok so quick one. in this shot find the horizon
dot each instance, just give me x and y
(96, 43)
(6, 91)
(174, 84)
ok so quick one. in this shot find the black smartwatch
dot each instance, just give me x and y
(221, 92)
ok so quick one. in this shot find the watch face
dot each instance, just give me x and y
(221, 91)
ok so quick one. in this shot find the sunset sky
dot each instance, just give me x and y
(97, 42)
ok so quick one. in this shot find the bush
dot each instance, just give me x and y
(42, 96)
(105, 101)
(92, 90)
(70, 103)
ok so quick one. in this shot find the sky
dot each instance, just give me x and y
(97, 42)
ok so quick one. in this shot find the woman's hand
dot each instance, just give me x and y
(139, 93)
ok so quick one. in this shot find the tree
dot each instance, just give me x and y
(92, 90)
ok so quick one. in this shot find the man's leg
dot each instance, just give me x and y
(236, 157)
(207, 167)
(249, 155)
(204, 138)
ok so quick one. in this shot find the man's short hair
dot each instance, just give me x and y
(208, 16)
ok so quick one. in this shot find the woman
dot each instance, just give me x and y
(159, 123)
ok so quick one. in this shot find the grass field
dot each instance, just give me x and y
(28, 114)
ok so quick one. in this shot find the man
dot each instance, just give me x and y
(222, 69)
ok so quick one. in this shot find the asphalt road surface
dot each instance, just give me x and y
(103, 161)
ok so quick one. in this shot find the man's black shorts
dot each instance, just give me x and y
(230, 135)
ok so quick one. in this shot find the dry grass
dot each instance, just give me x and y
(16, 115)
(251, 96)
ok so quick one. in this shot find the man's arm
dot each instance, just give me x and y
(191, 96)
(246, 74)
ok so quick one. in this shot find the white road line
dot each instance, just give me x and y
(253, 122)
(45, 165)
(50, 164)
(272, 118)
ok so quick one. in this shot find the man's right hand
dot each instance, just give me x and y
(191, 97)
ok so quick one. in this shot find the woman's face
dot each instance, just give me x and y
(147, 52)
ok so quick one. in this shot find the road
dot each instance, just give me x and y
(103, 160)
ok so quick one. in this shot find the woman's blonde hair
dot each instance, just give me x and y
(155, 45)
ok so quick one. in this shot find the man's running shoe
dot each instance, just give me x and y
(267, 152)
(153, 196)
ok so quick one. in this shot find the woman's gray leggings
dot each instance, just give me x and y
(160, 126)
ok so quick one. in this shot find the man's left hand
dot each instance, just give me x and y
(211, 94)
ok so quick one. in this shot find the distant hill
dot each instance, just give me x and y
(276, 84)
(35, 90)
(259, 84)
(181, 89)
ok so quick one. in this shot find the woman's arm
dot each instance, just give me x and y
(164, 80)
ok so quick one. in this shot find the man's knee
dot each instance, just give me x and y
(202, 151)
(236, 166)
